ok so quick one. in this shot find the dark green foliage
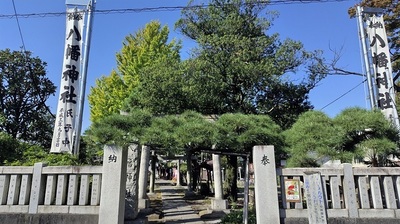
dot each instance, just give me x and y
(34, 154)
(24, 90)
(160, 88)
(161, 134)
(355, 133)
(311, 140)
(9, 148)
(176, 133)
(16, 153)
(368, 134)
(120, 129)
(90, 152)
(239, 67)
(196, 132)
(240, 132)
(236, 216)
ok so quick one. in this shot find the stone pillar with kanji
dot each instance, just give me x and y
(265, 185)
(112, 202)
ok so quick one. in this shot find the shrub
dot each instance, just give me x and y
(236, 216)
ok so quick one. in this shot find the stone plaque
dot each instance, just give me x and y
(315, 197)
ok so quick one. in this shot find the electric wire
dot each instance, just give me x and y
(36, 86)
(344, 94)
(19, 27)
(161, 8)
(164, 8)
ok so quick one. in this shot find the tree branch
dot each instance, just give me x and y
(339, 71)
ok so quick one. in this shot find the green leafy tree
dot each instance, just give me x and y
(34, 154)
(139, 51)
(10, 148)
(161, 135)
(378, 152)
(14, 152)
(196, 132)
(312, 140)
(355, 133)
(364, 130)
(161, 88)
(24, 90)
(186, 133)
(238, 67)
(120, 130)
(239, 133)
(107, 96)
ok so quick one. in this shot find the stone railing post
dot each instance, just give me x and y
(266, 192)
(143, 177)
(37, 189)
(178, 173)
(113, 187)
(218, 203)
(189, 180)
(349, 190)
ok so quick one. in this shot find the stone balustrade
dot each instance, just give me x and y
(352, 192)
(343, 192)
(72, 194)
(53, 189)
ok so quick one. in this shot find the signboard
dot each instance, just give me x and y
(292, 190)
(315, 198)
(379, 48)
(65, 124)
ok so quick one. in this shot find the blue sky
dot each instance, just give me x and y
(319, 26)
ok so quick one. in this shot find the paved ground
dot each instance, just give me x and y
(169, 205)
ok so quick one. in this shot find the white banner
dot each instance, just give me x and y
(65, 125)
(382, 65)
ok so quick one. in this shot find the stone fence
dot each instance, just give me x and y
(33, 193)
(319, 195)
(68, 194)
(55, 189)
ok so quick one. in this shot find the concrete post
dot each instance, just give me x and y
(131, 199)
(266, 191)
(218, 203)
(240, 173)
(143, 176)
(189, 171)
(37, 189)
(349, 190)
(178, 173)
(112, 202)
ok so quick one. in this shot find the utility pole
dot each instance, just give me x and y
(366, 58)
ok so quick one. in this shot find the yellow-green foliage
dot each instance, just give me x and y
(107, 96)
(138, 51)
